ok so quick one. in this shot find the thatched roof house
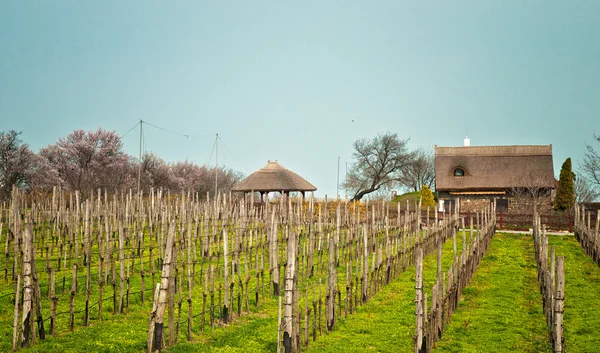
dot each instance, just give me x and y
(484, 172)
(274, 177)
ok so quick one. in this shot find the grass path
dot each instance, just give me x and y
(582, 296)
(501, 309)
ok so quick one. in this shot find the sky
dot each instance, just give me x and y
(299, 82)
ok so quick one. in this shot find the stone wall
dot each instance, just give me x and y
(472, 203)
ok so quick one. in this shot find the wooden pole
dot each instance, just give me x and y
(559, 306)
(153, 314)
(279, 327)
(225, 314)
(17, 312)
(419, 312)
(365, 266)
(288, 326)
(158, 334)
(121, 265)
(27, 264)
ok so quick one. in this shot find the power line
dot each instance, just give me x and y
(211, 154)
(128, 131)
(175, 132)
(233, 155)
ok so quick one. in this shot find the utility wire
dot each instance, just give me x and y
(228, 150)
(134, 126)
(211, 154)
(177, 133)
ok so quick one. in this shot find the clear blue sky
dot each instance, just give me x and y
(286, 80)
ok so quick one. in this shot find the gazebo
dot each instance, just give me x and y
(274, 177)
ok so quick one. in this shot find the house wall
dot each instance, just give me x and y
(472, 203)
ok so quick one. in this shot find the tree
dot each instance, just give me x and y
(421, 171)
(155, 173)
(565, 194)
(44, 176)
(590, 168)
(427, 199)
(532, 191)
(584, 192)
(188, 176)
(90, 160)
(378, 162)
(16, 162)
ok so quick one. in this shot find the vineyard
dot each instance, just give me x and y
(173, 272)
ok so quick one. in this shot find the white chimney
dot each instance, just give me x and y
(467, 141)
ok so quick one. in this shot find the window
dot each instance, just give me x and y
(458, 172)
(501, 205)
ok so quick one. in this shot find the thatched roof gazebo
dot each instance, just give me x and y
(274, 177)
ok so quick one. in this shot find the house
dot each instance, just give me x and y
(516, 176)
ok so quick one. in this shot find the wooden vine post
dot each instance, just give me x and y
(559, 306)
(365, 265)
(331, 282)
(225, 315)
(289, 344)
(16, 317)
(420, 306)
(28, 263)
(157, 332)
(274, 255)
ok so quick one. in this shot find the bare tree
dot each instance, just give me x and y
(584, 191)
(590, 168)
(16, 162)
(532, 192)
(421, 171)
(378, 162)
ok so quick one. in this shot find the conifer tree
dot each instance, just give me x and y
(565, 193)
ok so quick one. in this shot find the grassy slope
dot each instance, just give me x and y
(582, 296)
(501, 309)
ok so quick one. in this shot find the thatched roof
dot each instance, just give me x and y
(494, 167)
(274, 177)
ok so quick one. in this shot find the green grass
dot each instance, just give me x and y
(410, 196)
(501, 309)
(582, 296)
